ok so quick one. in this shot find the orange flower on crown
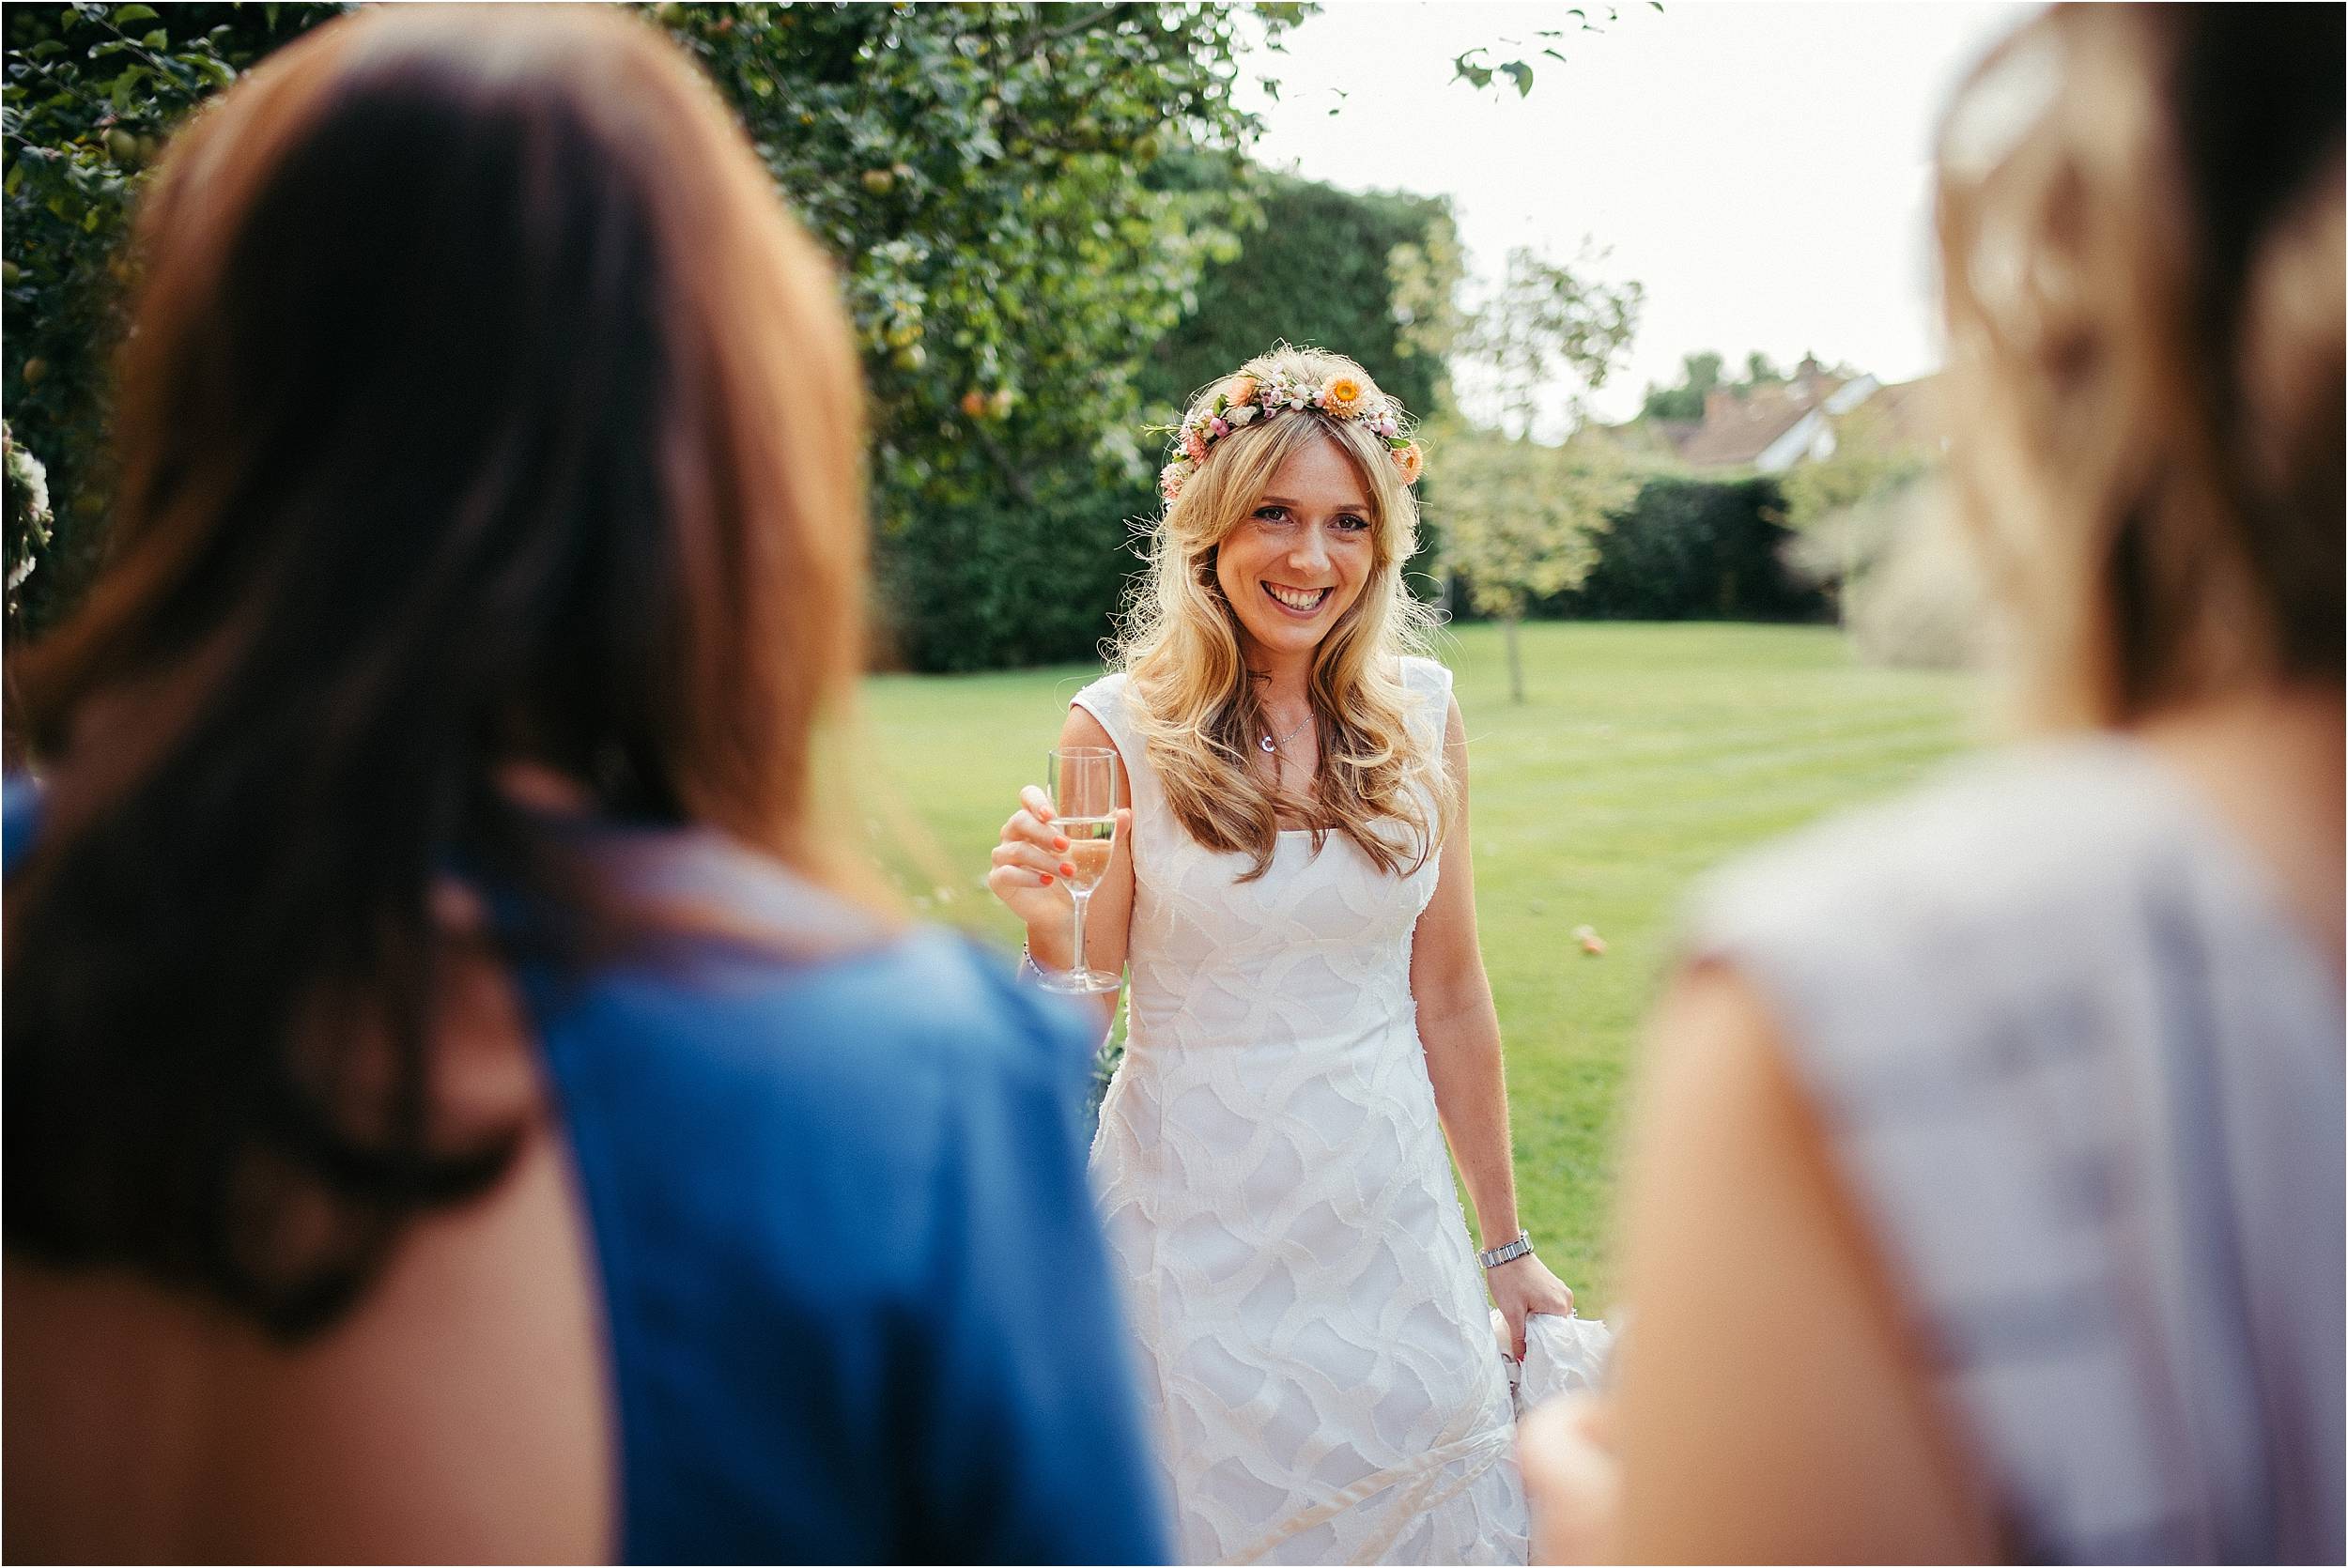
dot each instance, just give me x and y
(1408, 458)
(1239, 389)
(1342, 394)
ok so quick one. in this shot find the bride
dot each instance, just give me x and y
(1307, 1014)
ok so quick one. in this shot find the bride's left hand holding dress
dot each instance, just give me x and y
(1522, 1287)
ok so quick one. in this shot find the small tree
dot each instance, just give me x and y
(1549, 326)
(1519, 516)
(1523, 520)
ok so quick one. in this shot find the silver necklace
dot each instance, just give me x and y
(1272, 745)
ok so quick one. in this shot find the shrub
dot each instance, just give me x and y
(1000, 581)
(1911, 590)
(1692, 549)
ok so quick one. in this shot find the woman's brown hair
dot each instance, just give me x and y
(482, 407)
(2141, 226)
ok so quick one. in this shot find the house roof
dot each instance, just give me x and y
(1658, 439)
(1913, 410)
(1738, 429)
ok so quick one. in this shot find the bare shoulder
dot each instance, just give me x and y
(1765, 1307)
(1081, 728)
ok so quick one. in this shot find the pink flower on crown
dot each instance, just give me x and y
(1387, 426)
(1218, 428)
(1170, 477)
(1194, 443)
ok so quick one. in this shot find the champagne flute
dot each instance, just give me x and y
(1083, 784)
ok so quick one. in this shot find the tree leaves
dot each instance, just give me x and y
(1522, 520)
(986, 177)
(84, 100)
(1549, 325)
(1471, 68)
(982, 175)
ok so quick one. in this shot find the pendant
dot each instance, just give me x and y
(1268, 746)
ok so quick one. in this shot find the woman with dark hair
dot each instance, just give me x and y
(455, 1105)
(1986, 1199)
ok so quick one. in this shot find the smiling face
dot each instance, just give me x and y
(1297, 562)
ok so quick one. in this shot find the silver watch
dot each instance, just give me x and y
(1509, 1254)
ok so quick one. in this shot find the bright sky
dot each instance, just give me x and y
(1763, 168)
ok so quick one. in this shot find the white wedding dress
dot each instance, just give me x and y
(1319, 1364)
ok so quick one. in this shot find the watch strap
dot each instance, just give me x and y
(1508, 1254)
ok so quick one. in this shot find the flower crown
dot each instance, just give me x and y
(1245, 399)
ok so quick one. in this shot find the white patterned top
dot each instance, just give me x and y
(2085, 1077)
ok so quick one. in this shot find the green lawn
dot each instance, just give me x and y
(1644, 754)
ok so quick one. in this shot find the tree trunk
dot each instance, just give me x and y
(1850, 570)
(1516, 660)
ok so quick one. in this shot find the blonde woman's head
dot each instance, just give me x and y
(1295, 495)
(1284, 539)
(2141, 226)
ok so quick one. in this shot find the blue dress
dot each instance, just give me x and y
(852, 1283)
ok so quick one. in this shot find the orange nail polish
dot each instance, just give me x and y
(1044, 877)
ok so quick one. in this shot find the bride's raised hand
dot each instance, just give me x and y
(1522, 1287)
(1030, 864)
(1030, 860)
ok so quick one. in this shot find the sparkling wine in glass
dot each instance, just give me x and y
(1083, 784)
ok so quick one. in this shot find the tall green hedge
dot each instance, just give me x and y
(1005, 581)
(1694, 550)
(1318, 269)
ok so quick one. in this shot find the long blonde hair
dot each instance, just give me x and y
(1199, 713)
(2140, 230)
